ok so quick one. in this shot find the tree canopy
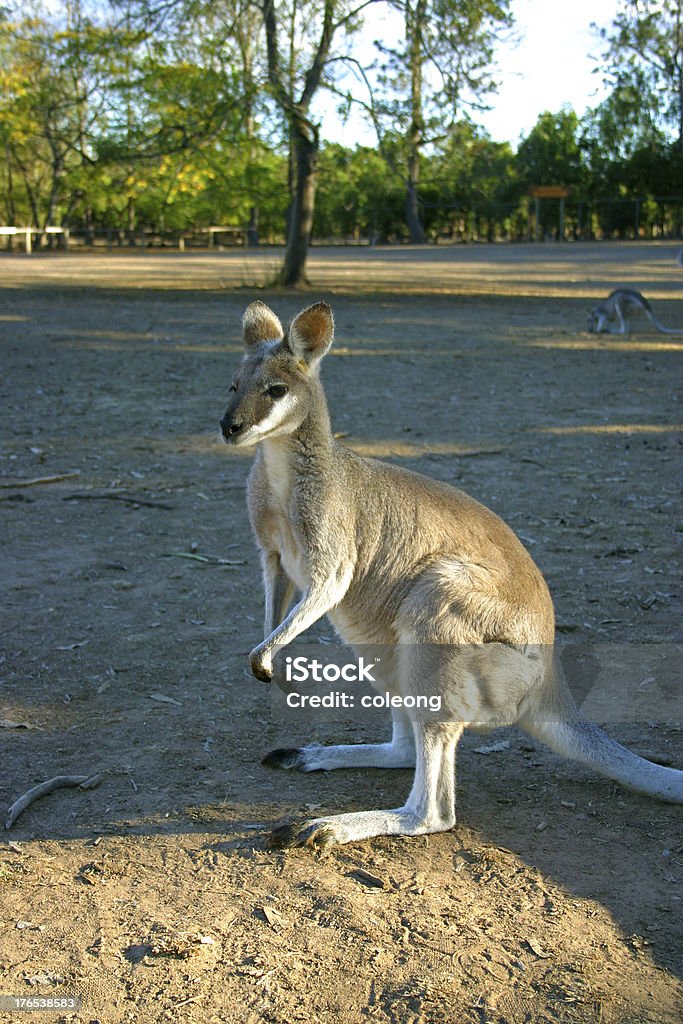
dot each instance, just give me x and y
(174, 115)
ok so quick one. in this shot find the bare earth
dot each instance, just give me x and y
(132, 596)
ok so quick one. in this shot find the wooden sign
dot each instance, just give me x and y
(549, 192)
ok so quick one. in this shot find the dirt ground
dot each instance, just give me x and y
(132, 596)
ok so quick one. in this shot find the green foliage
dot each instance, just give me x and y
(358, 196)
(643, 60)
(110, 120)
(551, 153)
(106, 123)
(453, 42)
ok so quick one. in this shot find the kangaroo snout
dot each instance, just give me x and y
(230, 427)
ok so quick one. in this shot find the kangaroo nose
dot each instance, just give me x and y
(231, 427)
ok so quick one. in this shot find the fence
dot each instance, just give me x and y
(446, 222)
(559, 219)
(110, 238)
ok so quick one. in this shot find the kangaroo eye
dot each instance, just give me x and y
(233, 387)
(278, 390)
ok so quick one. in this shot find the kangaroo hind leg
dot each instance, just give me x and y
(398, 753)
(430, 806)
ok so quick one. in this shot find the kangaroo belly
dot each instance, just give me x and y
(360, 626)
(295, 565)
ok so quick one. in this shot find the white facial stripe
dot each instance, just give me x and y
(275, 417)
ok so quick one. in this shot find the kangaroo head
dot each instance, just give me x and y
(596, 320)
(277, 380)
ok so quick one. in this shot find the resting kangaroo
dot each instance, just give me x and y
(397, 559)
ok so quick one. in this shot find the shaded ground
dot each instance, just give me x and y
(557, 896)
(580, 270)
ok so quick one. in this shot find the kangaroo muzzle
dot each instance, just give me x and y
(231, 427)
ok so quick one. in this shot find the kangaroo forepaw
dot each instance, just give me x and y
(261, 665)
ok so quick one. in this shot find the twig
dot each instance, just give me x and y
(475, 452)
(117, 497)
(206, 559)
(43, 788)
(184, 1002)
(40, 480)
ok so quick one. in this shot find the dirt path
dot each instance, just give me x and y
(557, 897)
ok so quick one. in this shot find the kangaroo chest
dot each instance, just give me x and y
(279, 479)
(293, 555)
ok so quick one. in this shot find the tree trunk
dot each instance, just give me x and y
(130, 221)
(304, 138)
(57, 171)
(417, 235)
(305, 148)
(11, 208)
(252, 227)
(414, 25)
(245, 42)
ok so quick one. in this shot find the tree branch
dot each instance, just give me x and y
(315, 72)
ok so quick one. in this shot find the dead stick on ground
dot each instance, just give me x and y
(117, 497)
(206, 559)
(184, 1002)
(59, 782)
(39, 480)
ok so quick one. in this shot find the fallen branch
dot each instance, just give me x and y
(206, 559)
(476, 452)
(43, 788)
(117, 497)
(40, 480)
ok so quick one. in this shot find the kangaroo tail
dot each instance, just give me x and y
(565, 731)
(660, 326)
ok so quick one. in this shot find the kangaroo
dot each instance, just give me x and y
(617, 306)
(396, 559)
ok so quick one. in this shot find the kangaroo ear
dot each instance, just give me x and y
(260, 324)
(311, 333)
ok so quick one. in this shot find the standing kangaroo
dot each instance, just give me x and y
(402, 561)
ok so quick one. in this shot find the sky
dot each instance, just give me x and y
(548, 67)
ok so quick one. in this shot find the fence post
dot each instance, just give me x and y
(537, 218)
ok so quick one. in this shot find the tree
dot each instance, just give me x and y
(551, 153)
(478, 190)
(442, 68)
(294, 83)
(644, 55)
(358, 197)
(291, 62)
(86, 105)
